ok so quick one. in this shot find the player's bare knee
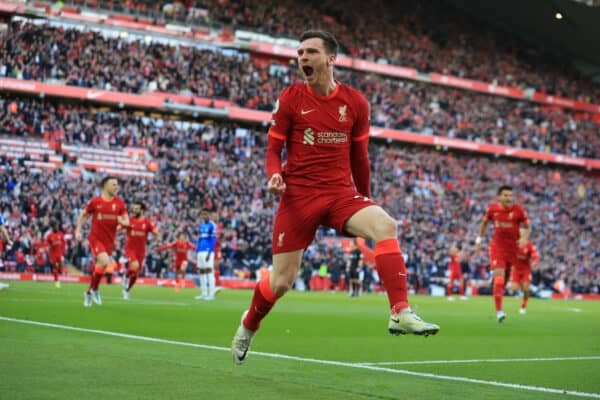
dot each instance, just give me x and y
(280, 285)
(384, 228)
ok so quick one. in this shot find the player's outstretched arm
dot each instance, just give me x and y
(80, 219)
(5, 235)
(123, 220)
(482, 227)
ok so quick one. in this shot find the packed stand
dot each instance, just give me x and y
(437, 197)
(430, 36)
(90, 60)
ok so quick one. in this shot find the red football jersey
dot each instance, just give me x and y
(181, 248)
(40, 252)
(318, 131)
(525, 255)
(137, 234)
(104, 220)
(56, 242)
(454, 265)
(506, 225)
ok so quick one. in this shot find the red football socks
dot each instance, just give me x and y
(132, 275)
(96, 278)
(498, 291)
(392, 271)
(262, 302)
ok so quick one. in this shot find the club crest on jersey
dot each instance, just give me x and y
(342, 110)
(309, 137)
(114, 207)
(510, 215)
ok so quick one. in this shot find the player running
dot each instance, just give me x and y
(57, 248)
(135, 244)
(107, 211)
(205, 258)
(527, 258)
(506, 218)
(181, 248)
(326, 181)
(455, 276)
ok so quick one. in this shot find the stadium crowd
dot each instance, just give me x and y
(437, 197)
(90, 60)
(431, 36)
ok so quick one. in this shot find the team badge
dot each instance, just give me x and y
(342, 110)
(280, 239)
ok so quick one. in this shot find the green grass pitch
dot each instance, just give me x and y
(338, 347)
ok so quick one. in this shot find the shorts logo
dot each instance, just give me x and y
(365, 198)
(280, 239)
(342, 111)
(309, 137)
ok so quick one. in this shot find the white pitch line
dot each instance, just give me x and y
(490, 360)
(314, 360)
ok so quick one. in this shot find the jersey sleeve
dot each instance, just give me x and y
(362, 125)
(123, 208)
(152, 228)
(524, 217)
(488, 214)
(282, 116)
(89, 208)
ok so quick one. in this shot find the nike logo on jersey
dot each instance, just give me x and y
(307, 111)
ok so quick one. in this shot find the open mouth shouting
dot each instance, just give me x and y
(308, 71)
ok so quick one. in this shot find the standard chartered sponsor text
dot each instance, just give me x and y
(332, 137)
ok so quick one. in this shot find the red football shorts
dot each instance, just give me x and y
(501, 259)
(181, 264)
(303, 209)
(133, 256)
(521, 275)
(97, 247)
(55, 258)
(455, 276)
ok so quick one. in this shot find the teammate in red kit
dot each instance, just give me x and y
(107, 212)
(326, 181)
(135, 244)
(455, 276)
(507, 219)
(181, 248)
(58, 246)
(527, 257)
